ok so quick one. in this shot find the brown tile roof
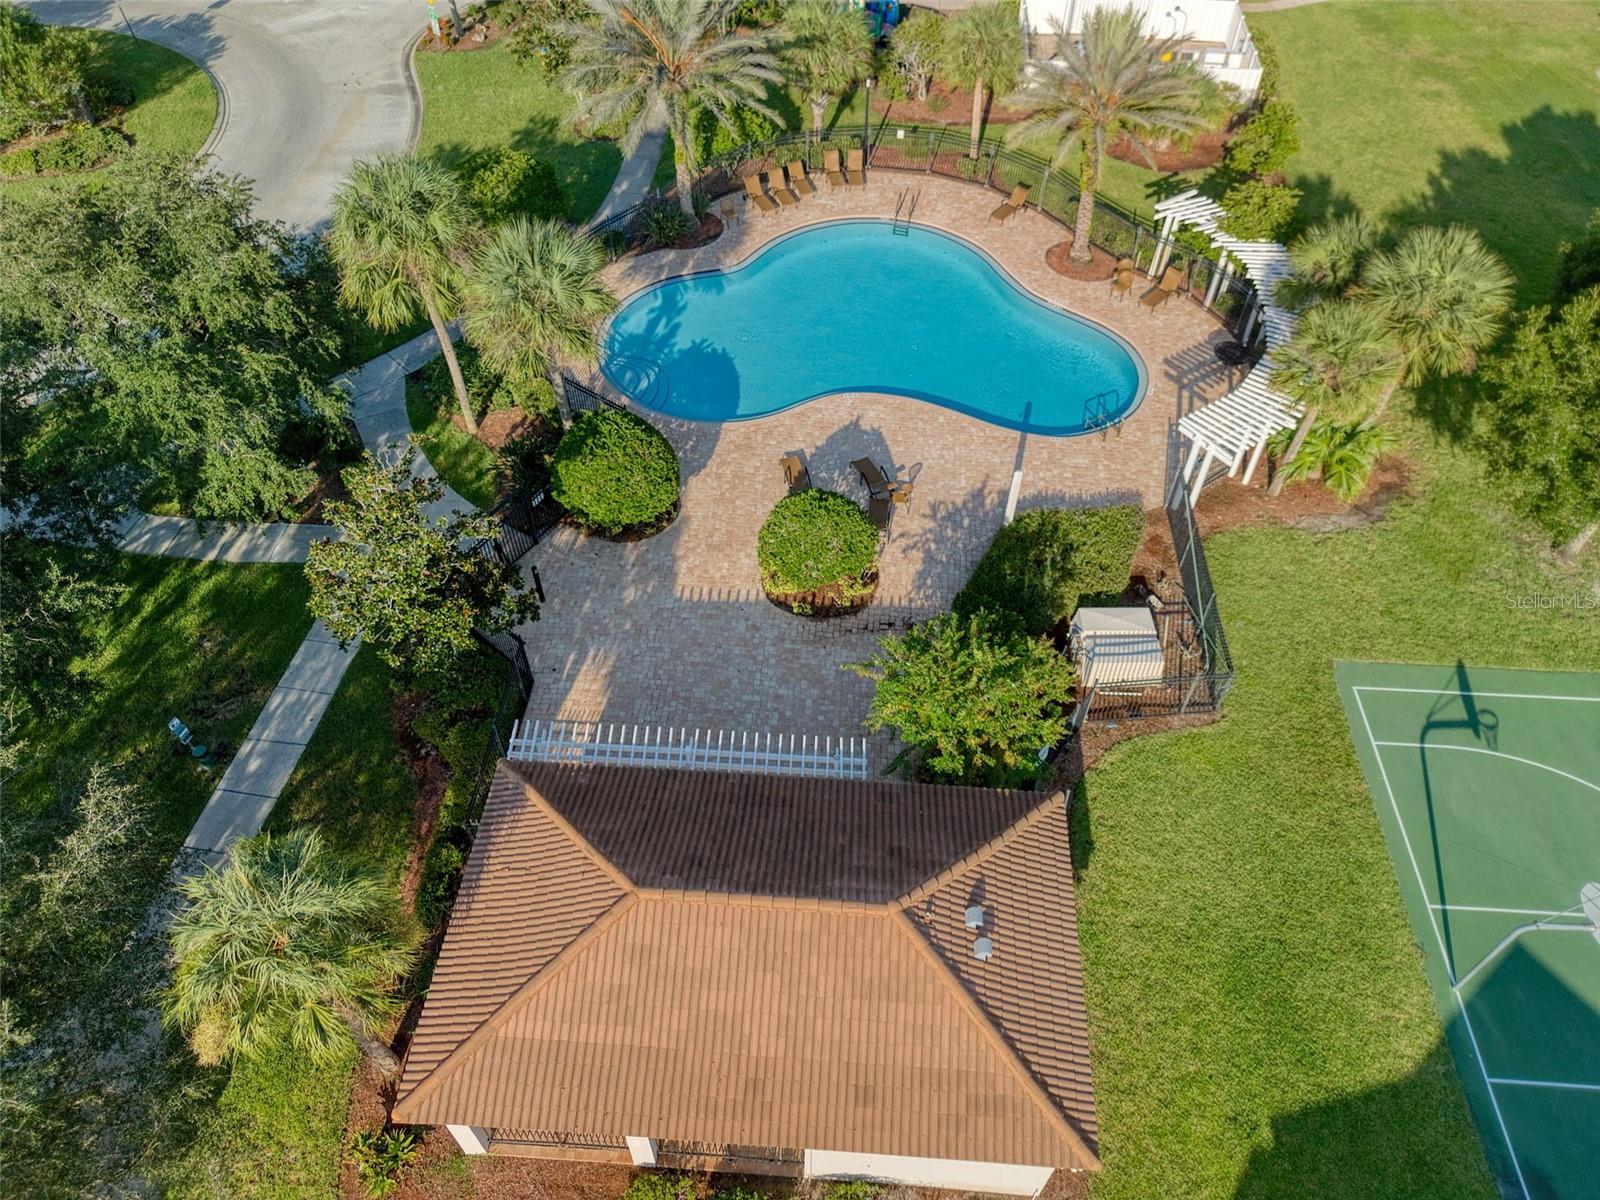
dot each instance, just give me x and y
(729, 967)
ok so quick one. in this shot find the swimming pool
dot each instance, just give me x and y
(853, 306)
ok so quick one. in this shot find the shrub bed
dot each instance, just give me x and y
(616, 474)
(818, 554)
(1040, 568)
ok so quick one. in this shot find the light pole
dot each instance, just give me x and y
(866, 134)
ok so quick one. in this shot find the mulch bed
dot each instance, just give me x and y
(1206, 151)
(708, 231)
(429, 771)
(945, 104)
(1098, 269)
(479, 34)
(497, 428)
(1305, 505)
(825, 602)
(310, 508)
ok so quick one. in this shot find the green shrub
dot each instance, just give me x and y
(614, 472)
(536, 29)
(852, 1189)
(380, 1157)
(974, 700)
(1578, 264)
(1040, 568)
(1341, 454)
(1267, 141)
(489, 390)
(504, 183)
(525, 460)
(79, 148)
(19, 162)
(738, 1191)
(1259, 212)
(660, 1185)
(817, 539)
(664, 224)
(712, 138)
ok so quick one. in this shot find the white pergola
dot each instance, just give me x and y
(1234, 429)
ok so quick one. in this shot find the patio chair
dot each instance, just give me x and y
(1171, 281)
(795, 173)
(757, 194)
(1122, 282)
(1012, 204)
(855, 173)
(831, 164)
(878, 484)
(900, 491)
(880, 511)
(781, 194)
(795, 473)
(1125, 264)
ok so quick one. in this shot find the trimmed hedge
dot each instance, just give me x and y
(817, 539)
(615, 473)
(504, 183)
(77, 148)
(1048, 562)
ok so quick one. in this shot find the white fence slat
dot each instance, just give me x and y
(696, 749)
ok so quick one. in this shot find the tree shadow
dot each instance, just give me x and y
(584, 167)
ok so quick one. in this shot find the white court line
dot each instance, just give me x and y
(1547, 1083)
(1458, 692)
(1527, 762)
(1444, 956)
(1513, 912)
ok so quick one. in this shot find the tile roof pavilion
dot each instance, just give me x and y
(762, 960)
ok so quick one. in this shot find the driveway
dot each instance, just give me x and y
(305, 89)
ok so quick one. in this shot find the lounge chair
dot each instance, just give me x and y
(880, 511)
(1122, 282)
(795, 473)
(795, 173)
(757, 194)
(1012, 205)
(830, 163)
(1171, 281)
(878, 484)
(780, 193)
(855, 174)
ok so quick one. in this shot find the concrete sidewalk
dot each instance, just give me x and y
(636, 175)
(218, 541)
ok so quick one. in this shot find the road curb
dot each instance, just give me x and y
(408, 64)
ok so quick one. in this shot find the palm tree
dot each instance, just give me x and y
(1444, 294)
(649, 60)
(400, 225)
(826, 49)
(1327, 260)
(1342, 364)
(534, 296)
(1114, 82)
(286, 944)
(983, 51)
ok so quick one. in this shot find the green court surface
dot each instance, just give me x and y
(1487, 784)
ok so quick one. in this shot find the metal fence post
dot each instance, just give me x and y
(994, 153)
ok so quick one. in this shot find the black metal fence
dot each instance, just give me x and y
(581, 398)
(998, 167)
(524, 521)
(1198, 666)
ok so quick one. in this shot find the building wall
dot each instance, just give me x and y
(1198, 20)
(1008, 1179)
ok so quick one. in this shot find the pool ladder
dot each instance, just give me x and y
(908, 205)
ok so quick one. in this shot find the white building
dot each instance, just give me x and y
(1213, 33)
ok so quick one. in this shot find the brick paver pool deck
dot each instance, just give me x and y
(675, 629)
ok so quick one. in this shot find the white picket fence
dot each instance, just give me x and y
(695, 749)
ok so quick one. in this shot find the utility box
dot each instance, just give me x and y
(1116, 646)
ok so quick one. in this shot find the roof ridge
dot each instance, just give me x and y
(1008, 1053)
(612, 871)
(515, 1001)
(1000, 840)
(765, 900)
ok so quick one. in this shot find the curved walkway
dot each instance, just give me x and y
(304, 90)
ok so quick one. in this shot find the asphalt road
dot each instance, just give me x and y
(305, 88)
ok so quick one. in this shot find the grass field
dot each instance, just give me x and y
(1485, 784)
(462, 461)
(481, 99)
(1262, 1026)
(1442, 111)
(174, 104)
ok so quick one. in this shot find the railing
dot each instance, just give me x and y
(592, 742)
(580, 398)
(524, 521)
(947, 152)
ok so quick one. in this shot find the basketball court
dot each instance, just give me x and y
(1487, 783)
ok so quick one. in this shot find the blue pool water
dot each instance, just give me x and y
(850, 306)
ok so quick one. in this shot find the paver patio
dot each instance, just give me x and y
(675, 629)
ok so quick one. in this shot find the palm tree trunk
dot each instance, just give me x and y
(818, 105)
(1088, 184)
(382, 1057)
(1571, 548)
(1295, 443)
(680, 168)
(977, 119)
(449, 349)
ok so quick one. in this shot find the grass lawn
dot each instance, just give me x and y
(480, 99)
(174, 104)
(1261, 1023)
(462, 461)
(1443, 111)
(202, 641)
